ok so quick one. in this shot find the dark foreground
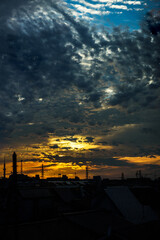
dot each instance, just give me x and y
(79, 209)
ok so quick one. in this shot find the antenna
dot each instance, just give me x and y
(4, 169)
(122, 176)
(14, 159)
(42, 172)
(21, 167)
(87, 172)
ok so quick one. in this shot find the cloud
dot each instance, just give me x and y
(86, 8)
(71, 139)
(91, 161)
(32, 59)
(153, 21)
(6, 7)
(62, 77)
(54, 146)
(89, 139)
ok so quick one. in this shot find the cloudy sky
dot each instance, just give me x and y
(80, 84)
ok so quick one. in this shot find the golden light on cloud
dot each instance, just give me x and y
(59, 156)
(75, 143)
(51, 169)
(68, 156)
(143, 160)
(68, 142)
(59, 167)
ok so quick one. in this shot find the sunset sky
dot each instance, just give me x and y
(80, 85)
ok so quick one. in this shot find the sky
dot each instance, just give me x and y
(80, 85)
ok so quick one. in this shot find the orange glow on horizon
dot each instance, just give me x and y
(56, 169)
(64, 156)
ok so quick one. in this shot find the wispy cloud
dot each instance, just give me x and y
(100, 8)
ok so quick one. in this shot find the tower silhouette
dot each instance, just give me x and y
(14, 158)
(21, 167)
(122, 176)
(87, 172)
(4, 169)
(42, 171)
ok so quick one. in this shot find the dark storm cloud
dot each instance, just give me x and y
(59, 76)
(54, 146)
(94, 149)
(153, 22)
(89, 139)
(71, 139)
(137, 59)
(103, 143)
(92, 161)
(39, 57)
(7, 6)
(66, 148)
(36, 147)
